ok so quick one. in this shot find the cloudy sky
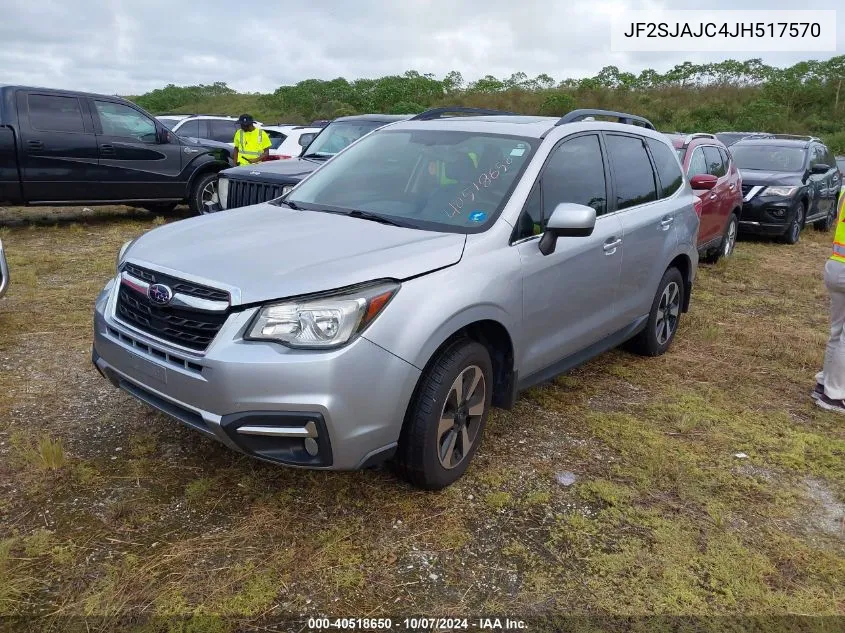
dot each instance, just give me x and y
(132, 46)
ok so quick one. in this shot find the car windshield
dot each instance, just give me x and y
(339, 134)
(168, 122)
(428, 179)
(768, 157)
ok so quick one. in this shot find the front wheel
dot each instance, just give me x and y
(664, 317)
(204, 190)
(793, 233)
(446, 418)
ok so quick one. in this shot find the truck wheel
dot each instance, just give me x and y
(205, 190)
(446, 417)
(664, 318)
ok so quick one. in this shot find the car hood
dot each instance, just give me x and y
(760, 177)
(266, 252)
(286, 172)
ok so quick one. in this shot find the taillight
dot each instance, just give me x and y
(698, 205)
(271, 157)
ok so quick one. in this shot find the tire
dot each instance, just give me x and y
(726, 246)
(665, 313)
(432, 454)
(160, 207)
(793, 233)
(204, 189)
(828, 223)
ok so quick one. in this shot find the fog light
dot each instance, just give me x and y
(311, 446)
(778, 213)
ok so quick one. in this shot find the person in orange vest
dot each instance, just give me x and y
(829, 392)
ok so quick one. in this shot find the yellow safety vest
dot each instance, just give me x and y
(250, 145)
(839, 236)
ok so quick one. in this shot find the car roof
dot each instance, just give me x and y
(775, 142)
(386, 118)
(290, 128)
(519, 125)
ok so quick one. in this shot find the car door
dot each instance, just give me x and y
(709, 201)
(834, 178)
(134, 163)
(646, 223)
(58, 153)
(722, 191)
(569, 296)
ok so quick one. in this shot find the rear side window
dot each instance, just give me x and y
(189, 128)
(667, 166)
(635, 181)
(726, 159)
(715, 166)
(52, 113)
(223, 131)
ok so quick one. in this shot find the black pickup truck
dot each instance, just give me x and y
(59, 147)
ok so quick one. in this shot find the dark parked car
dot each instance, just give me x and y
(65, 148)
(787, 181)
(250, 184)
(729, 138)
(716, 181)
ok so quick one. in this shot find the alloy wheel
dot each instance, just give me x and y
(668, 311)
(796, 223)
(461, 417)
(730, 239)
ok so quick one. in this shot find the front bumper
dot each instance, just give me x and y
(340, 409)
(767, 215)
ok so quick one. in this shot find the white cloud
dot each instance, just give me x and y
(129, 47)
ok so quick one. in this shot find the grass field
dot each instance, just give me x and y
(111, 511)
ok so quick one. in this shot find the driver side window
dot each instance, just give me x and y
(120, 120)
(573, 173)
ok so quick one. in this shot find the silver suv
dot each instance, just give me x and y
(429, 271)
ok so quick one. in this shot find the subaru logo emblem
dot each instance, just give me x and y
(160, 294)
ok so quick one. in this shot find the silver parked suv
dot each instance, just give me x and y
(429, 271)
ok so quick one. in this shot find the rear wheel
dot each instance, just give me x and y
(204, 190)
(445, 420)
(793, 233)
(664, 318)
(828, 223)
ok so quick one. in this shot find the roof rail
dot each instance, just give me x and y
(438, 113)
(622, 117)
(689, 137)
(796, 137)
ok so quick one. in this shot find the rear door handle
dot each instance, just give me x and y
(35, 145)
(107, 149)
(611, 244)
(666, 222)
(712, 197)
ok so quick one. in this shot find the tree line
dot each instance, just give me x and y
(808, 97)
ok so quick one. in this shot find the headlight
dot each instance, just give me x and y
(780, 191)
(223, 192)
(286, 189)
(321, 322)
(122, 253)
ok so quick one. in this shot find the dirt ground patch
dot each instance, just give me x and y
(109, 510)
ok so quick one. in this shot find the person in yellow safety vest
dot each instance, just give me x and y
(829, 392)
(252, 144)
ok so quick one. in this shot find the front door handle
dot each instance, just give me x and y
(712, 197)
(666, 222)
(611, 244)
(36, 145)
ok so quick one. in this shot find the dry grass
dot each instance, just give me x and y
(120, 511)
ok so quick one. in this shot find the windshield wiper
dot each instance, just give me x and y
(317, 156)
(289, 204)
(363, 215)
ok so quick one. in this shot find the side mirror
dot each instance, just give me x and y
(567, 220)
(305, 139)
(820, 168)
(164, 136)
(703, 181)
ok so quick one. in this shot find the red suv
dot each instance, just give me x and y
(716, 181)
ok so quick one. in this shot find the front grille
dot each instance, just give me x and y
(176, 285)
(243, 193)
(193, 329)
